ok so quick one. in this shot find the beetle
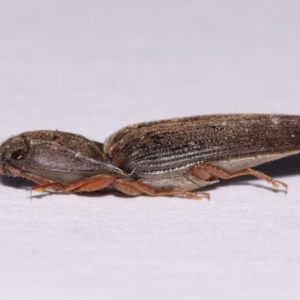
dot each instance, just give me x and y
(167, 157)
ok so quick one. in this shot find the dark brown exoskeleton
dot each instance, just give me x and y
(169, 157)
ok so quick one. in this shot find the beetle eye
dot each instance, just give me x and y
(18, 155)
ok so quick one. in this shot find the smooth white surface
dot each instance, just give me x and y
(92, 67)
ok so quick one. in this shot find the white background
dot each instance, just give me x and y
(91, 67)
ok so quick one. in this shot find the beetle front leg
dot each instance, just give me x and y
(43, 183)
(90, 184)
(134, 188)
(21, 173)
(206, 170)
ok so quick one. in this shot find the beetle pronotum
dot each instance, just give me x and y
(168, 157)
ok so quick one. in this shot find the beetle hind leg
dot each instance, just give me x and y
(216, 172)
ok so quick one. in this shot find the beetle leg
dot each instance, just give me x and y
(197, 170)
(43, 183)
(20, 173)
(101, 181)
(55, 186)
(90, 184)
(134, 188)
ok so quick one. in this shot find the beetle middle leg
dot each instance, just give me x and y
(203, 170)
(134, 188)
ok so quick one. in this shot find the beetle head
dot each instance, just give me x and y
(13, 150)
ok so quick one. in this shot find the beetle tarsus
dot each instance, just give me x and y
(55, 186)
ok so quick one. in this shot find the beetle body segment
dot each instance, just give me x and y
(55, 156)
